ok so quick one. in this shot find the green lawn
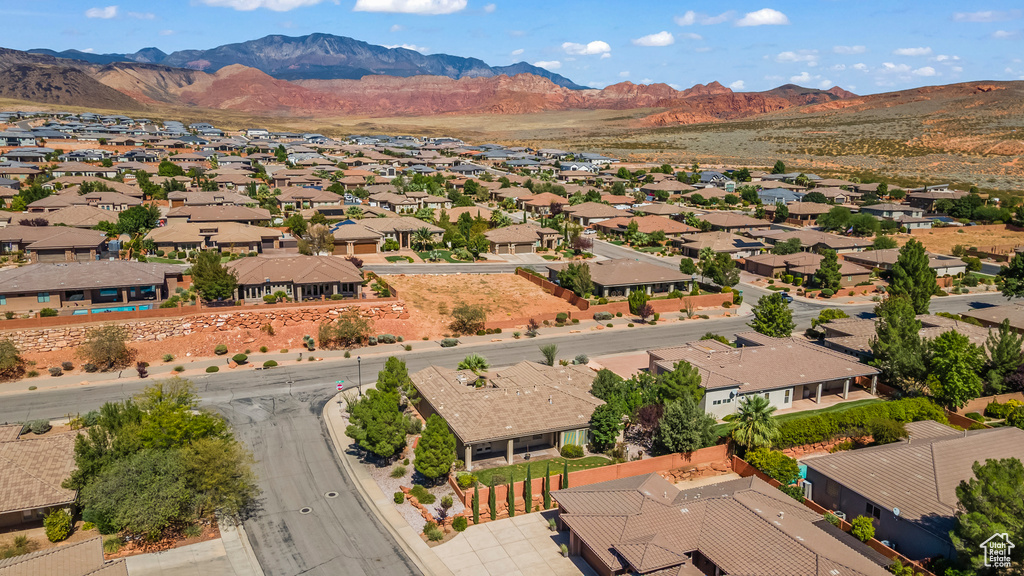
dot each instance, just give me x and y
(649, 249)
(538, 467)
(722, 430)
(616, 242)
(164, 260)
(398, 258)
(549, 257)
(445, 255)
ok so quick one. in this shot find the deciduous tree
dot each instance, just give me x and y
(106, 346)
(954, 368)
(1012, 277)
(990, 502)
(605, 425)
(684, 427)
(213, 280)
(828, 275)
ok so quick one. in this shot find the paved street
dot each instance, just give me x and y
(276, 412)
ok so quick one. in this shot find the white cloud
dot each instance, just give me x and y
(925, 71)
(849, 49)
(1004, 34)
(647, 81)
(691, 36)
(662, 38)
(987, 16)
(396, 28)
(839, 67)
(89, 50)
(738, 85)
(809, 56)
(166, 32)
(895, 68)
(803, 77)
(606, 55)
(860, 66)
(825, 84)
(763, 17)
(518, 51)
(624, 74)
(589, 49)
(690, 18)
(490, 8)
(674, 86)
(549, 64)
(919, 51)
(407, 6)
(412, 47)
(104, 13)
(274, 5)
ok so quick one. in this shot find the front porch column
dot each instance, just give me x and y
(672, 287)
(334, 287)
(874, 385)
(817, 398)
(508, 456)
(298, 293)
(647, 289)
(846, 389)
(350, 248)
(469, 458)
(124, 295)
(604, 292)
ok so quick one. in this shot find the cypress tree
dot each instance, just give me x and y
(912, 277)
(476, 505)
(547, 487)
(565, 476)
(528, 490)
(511, 499)
(492, 502)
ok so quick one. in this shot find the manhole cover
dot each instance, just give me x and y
(305, 510)
(331, 494)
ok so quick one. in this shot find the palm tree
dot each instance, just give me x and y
(423, 239)
(754, 426)
(354, 212)
(474, 362)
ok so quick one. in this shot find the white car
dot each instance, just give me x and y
(590, 231)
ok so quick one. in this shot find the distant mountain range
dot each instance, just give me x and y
(318, 57)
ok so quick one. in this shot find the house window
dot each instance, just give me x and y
(766, 395)
(785, 399)
(107, 292)
(43, 297)
(872, 511)
(3, 300)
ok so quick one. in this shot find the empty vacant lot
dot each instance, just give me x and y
(942, 240)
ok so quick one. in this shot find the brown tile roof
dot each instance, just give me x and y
(32, 469)
(931, 466)
(627, 272)
(226, 213)
(92, 274)
(667, 185)
(887, 257)
(221, 232)
(297, 269)
(296, 194)
(732, 220)
(211, 198)
(764, 364)
(518, 234)
(594, 210)
(854, 335)
(78, 216)
(807, 208)
(355, 231)
(39, 237)
(546, 199)
(524, 399)
(646, 525)
(658, 209)
(815, 238)
(719, 241)
(399, 224)
(996, 314)
(83, 558)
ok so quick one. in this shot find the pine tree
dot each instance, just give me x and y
(1003, 347)
(511, 499)
(435, 452)
(828, 274)
(898, 348)
(1012, 276)
(528, 489)
(492, 501)
(912, 277)
(773, 317)
(476, 505)
(547, 487)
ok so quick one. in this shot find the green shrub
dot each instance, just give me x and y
(794, 492)
(465, 480)
(39, 426)
(618, 314)
(112, 545)
(269, 364)
(387, 339)
(571, 451)
(886, 430)
(372, 340)
(737, 299)
(975, 416)
(832, 519)
(55, 371)
(775, 464)
(33, 387)
(449, 342)
(421, 494)
(822, 427)
(863, 528)
(348, 354)
(602, 316)
(212, 369)
(398, 471)
(58, 525)
(86, 526)
(239, 358)
(826, 293)
(561, 317)
(630, 325)
(221, 349)
(997, 410)
(192, 531)
(435, 534)
(602, 300)
(609, 325)
(459, 524)
(399, 497)
(263, 349)
(168, 357)
(178, 369)
(481, 332)
(47, 313)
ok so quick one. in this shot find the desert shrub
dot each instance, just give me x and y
(435, 534)
(55, 371)
(239, 358)
(862, 528)
(609, 325)
(630, 325)
(829, 425)
(887, 430)
(581, 359)
(398, 471)
(31, 374)
(387, 339)
(826, 293)
(269, 364)
(561, 317)
(112, 545)
(58, 525)
(221, 349)
(618, 314)
(571, 451)
(421, 494)
(212, 369)
(481, 332)
(449, 342)
(775, 464)
(832, 519)
(413, 425)
(399, 497)
(602, 316)
(726, 304)
(466, 480)
(47, 313)
(38, 426)
(263, 349)
(89, 367)
(372, 340)
(178, 369)
(168, 357)
(460, 523)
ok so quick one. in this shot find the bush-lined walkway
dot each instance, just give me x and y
(517, 472)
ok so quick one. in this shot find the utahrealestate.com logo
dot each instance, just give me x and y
(997, 550)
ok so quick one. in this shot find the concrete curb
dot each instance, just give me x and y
(238, 549)
(382, 505)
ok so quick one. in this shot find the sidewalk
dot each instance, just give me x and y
(229, 555)
(422, 556)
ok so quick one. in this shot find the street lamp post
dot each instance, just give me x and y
(359, 364)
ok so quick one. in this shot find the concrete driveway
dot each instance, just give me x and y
(519, 546)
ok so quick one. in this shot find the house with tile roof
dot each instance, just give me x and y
(783, 370)
(645, 525)
(804, 265)
(647, 224)
(908, 488)
(885, 259)
(588, 213)
(853, 335)
(32, 469)
(300, 277)
(719, 242)
(528, 406)
(223, 236)
(815, 240)
(619, 277)
(221, 213)
(994, 316)
(521, 238)
(53, 244)
(734, 222)
(401, 228)
(83, 558)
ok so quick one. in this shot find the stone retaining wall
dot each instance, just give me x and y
(63, 337)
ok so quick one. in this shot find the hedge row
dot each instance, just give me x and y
(830, 425)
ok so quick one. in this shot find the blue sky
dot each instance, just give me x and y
(865, 46)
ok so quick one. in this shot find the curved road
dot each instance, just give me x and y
(277, 413)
